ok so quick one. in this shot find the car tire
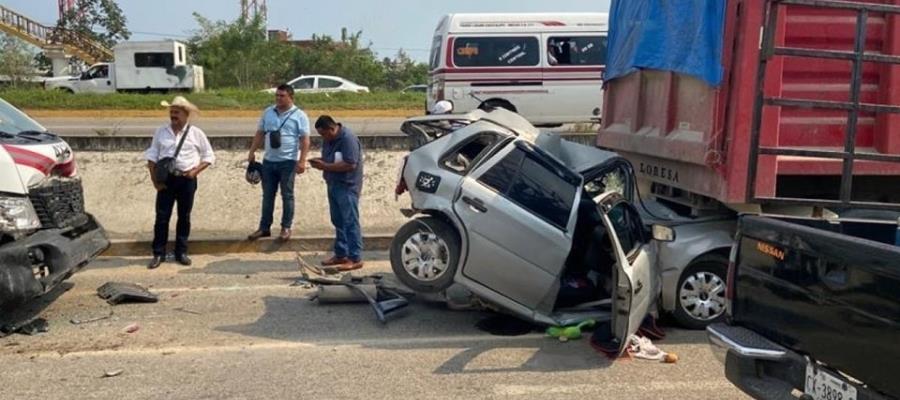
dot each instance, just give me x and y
(425, 254)
(701, 282)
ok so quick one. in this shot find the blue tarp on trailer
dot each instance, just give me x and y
(683, 36)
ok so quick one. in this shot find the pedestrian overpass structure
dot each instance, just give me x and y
(58, 44)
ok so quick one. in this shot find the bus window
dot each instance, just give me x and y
(496, 51)
(436, 52)
(577, 50)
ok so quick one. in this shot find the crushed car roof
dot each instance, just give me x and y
(577, 156)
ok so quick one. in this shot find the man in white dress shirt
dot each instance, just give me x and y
(195, 155)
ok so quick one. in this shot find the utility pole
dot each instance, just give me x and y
(252, 8)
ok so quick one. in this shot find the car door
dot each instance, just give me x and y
(636, 276)
(304, 85)
(95, 80)
(518, 211)
(329, 85)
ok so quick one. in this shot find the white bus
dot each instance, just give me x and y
(546, 67)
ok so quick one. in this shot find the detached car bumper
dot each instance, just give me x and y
(762, 368)
(58, 252)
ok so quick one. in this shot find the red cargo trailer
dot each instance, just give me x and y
(806, 113)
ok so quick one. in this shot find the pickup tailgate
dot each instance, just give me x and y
(833, 297)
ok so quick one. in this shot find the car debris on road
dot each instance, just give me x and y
(119, 292)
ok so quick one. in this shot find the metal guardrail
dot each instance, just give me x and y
(853, 107)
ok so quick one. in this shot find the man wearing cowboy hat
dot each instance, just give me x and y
(188, 149)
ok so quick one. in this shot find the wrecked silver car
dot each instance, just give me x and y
(528, 222)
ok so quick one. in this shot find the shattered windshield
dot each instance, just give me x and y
(13, 121)
(612, 181)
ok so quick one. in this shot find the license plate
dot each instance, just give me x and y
(822, 385)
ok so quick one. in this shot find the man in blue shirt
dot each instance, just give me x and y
(342, 166)
(284, 131)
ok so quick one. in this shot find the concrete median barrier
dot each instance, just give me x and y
(119, 193)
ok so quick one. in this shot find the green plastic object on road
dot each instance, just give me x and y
(566, 333)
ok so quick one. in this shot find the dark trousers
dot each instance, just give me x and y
(178, 190)
(274, 175)
(344, 206)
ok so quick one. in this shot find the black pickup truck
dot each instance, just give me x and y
(813, 309)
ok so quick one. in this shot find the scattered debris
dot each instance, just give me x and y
(132, 328)
(505, 325)
(119, 292)
(566, 333)
(643, 348)
(384, 298)
(90, 320)
(329, 294)
(113, 373)
(30, 327)
(185, 310)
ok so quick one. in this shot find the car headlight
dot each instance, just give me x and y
(17, 215)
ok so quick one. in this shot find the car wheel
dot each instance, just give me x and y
(425, 254)
(700, 297)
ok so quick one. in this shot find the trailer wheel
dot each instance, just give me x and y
(700, 296)
(425, 254)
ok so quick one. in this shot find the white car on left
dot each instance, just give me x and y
(322, 84)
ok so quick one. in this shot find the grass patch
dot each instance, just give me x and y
(225, 99)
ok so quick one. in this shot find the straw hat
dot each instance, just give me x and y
(183, 103)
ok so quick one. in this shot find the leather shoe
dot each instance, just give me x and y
(285, 234)
(350, 266)
(155, 262)
(183, 259)
(335, 261)
(259, 234)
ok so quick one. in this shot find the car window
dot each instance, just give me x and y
(627, 225)
(305, 83)
(325, 83)
(527, 180)
(14, 121)
(611, 181)
(579, 50)
(500, 176)
(461, 159)
(496, 51)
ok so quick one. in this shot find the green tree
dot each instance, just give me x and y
(16, 61)
(346, 58)
(237, 54)
(402, 71)
(100, 20)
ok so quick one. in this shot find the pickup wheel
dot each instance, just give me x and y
(425, 254)
(700, 300)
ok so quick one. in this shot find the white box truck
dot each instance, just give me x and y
(157, 66)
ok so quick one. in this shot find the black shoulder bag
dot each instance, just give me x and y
(275, 136)
(165, 167)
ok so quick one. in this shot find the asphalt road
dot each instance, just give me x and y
(231, 327)
(79, 126)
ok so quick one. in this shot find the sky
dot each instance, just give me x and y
(388, 24)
